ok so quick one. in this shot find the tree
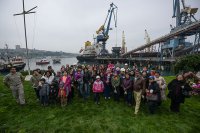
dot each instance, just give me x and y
(188, 63)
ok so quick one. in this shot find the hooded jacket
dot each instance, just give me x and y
(98, 86)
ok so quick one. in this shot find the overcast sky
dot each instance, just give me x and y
(66, 24)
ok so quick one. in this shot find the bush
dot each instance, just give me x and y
(188, 63)
(24, 73)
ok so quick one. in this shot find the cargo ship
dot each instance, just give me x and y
(90, 52)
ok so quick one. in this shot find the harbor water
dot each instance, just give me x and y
(56, 67)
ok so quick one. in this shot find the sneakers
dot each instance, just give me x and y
(129, 105)
(97, 103)
(107, 98)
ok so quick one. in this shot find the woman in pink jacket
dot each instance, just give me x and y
(97, 88)
(65, 88)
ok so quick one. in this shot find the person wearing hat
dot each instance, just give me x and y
(152, 93)
(122, 70)
(98, 87)
(138, 87)
(126, 67)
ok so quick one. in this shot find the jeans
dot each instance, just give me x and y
(107, 90)
(81, 89)
(44, 100)
(129, 96)
(96, 97)
(87, 89)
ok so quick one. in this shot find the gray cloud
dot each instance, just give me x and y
(66, 24)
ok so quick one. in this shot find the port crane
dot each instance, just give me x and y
(184, 16)
(103, 31)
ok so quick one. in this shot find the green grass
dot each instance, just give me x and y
(87, 117)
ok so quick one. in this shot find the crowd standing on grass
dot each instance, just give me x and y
(124, 84)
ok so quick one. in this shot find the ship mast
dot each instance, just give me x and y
(123, 51)
(6, 48)
(24, 15)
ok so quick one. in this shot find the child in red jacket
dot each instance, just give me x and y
(97, 88)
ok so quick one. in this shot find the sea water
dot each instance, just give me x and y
(56, 67)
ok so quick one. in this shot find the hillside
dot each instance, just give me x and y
(35, 53)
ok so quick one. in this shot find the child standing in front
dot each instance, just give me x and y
(43, 91)
(97, 88)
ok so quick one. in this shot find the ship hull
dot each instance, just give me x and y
(6, 67)
(86, 59)
(42, 63)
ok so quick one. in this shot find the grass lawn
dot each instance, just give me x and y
(84, 117)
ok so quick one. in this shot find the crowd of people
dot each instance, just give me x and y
(127, 84)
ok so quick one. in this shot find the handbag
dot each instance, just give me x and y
(186, 93)
(152, 97)
(186, 90)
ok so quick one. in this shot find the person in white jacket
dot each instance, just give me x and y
(48, 77)
(162, 85)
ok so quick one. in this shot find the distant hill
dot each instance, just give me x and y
(34, 53)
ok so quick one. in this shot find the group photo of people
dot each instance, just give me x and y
(130, 85)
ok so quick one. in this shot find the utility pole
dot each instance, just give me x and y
(24, 15)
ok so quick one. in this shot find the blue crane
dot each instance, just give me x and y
(102, 32)
(185, 15)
